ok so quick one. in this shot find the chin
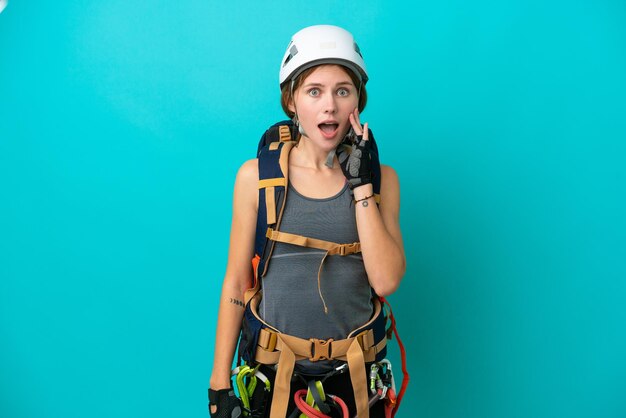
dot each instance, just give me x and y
(325, 143)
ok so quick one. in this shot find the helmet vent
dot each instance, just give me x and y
(358, 50)
(292, 53)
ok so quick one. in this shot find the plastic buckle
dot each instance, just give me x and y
(320, 349)
(271, 345)
(347, 249)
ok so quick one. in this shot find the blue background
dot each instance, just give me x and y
(122, 125)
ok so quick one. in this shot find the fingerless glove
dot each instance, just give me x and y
(228, 405)
(356, 164)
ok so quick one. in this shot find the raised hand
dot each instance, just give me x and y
(356, 163)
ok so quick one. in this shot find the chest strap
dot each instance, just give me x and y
(331, 248)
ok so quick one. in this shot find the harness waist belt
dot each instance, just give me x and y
(277, 348)
(270, 345)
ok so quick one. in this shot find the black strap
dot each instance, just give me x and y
(317, 398)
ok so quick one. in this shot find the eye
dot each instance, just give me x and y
(342, 92)
(314, 92)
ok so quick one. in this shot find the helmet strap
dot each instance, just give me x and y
(330, 158)
(296, 121)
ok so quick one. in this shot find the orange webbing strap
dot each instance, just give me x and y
(278, 181)
(283, 160)
(269, 347)
(270, 201)
(282, 382)
(284, 133)
(331, 247)
(274, 146)
(270, 205)
(356, 366)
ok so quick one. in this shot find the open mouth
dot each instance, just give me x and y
(329, 130)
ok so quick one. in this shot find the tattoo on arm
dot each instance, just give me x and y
(237, 302)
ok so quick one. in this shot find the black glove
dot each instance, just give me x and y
(356, 165)
(228, 405)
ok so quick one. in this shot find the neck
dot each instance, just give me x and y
(306, 154)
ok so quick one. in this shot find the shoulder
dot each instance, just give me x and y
(247, 183)
(249, 171)
(248, 174)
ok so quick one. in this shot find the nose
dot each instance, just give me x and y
(330, 106)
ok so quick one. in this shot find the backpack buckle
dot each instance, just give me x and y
(347, 249)
(320, 349)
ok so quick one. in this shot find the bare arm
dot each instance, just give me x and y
(378, 226)
(238, 276)
(379, 233)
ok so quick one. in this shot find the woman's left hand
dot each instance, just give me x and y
(356, 165)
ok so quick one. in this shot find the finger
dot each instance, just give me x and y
(356, 126)
(357, 117)
(366, 132)
(358, 121)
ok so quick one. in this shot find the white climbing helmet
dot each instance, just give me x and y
(321, 44)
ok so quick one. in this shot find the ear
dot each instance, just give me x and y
(290, 105)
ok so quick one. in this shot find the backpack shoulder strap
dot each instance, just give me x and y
(278, 132)
(273, 160)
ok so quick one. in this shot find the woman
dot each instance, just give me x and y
(331, 198)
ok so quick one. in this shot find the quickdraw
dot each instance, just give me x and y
(383, 386)
(246, 379)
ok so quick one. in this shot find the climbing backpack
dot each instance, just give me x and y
(260, 343)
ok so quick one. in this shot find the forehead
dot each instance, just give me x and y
(328, 74)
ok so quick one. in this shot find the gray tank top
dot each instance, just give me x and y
(291, 301)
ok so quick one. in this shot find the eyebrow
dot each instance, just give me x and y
(349, 83)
